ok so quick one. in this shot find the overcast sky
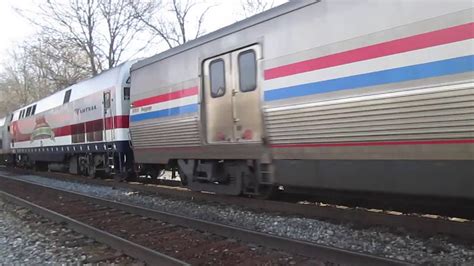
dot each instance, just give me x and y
(14, 28)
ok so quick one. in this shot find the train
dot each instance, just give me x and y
(83, 129)
(351, 96)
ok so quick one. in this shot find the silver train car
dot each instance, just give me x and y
(373, 96)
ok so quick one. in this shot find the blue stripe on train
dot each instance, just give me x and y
(191, 108)
(421, 71)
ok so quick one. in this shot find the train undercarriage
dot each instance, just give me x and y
(103, 164)
(227, 177)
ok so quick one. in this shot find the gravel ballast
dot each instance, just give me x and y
(378, 241)
(29, 239)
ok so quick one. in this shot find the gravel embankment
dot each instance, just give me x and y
(29, 239)
(379, 241)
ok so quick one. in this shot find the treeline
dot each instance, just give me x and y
(78, 39)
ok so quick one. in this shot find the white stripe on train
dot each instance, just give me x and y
(442, 52)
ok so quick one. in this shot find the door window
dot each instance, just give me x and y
(126, 93)
(217, 77)
(107, 100)
(247, 71)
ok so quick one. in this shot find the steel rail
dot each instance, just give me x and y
(131, 249)
(423, 224)
(304, 248)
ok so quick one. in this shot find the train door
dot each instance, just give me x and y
(108, 118)
(232, 97)
(218, 100)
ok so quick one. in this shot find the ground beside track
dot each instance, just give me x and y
(29, 239)
(378, 241)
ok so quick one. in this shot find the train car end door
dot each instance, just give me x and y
(232, 97)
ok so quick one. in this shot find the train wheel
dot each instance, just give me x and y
(92, 170)
(182, 177)
(268, 192)
(152, 173)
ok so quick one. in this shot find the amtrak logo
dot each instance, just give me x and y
(85, 110)
(42, 130)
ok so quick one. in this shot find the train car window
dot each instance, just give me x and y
(22, 112)
(107, 100)
(94, 131)
(78, 133)
(33, 110)
(217, 76)
(28, 111)
(247, 71)
(126, 93)
(67, 96)
(99, 135)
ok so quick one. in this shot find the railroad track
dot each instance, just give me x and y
(419, 223)
(167, 239)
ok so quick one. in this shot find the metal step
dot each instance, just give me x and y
(266, 174)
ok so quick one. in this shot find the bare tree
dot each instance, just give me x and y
(18, 80)
(253, 7)
(59, 63)
(174, 21)
(39, 68)
(122, 27)
(103, 29)
(76, 21)
(17, 83)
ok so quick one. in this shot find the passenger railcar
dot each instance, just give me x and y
(346, 95)
(81, 129)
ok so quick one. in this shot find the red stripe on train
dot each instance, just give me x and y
(87, 127)
(375, 143)
(166, 97)
(416, 42)
(346, 144)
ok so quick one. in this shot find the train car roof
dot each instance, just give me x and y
(235, 27)
(78, 90)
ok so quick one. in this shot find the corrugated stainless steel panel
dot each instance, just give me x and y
(329, 139)
(169, 133)
(382, 128)
(452, 115)
(390, 103)
(421, 114)
(369, 108)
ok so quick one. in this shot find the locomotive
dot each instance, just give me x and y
(364, 96)
(82, 129)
